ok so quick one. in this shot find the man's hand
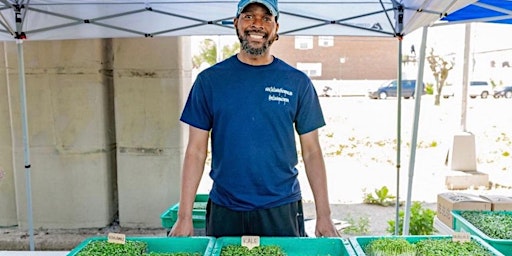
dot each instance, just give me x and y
(182, 228)
(325, 228)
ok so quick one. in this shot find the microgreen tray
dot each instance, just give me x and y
(202, 245)
(295, 246)
(359, 243)
(461, 224)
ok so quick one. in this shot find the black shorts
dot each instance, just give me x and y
(285, 220)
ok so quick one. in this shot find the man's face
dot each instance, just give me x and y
(256, 29)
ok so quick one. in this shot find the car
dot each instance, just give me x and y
(480, 89)
(389, 89)
(503, 92)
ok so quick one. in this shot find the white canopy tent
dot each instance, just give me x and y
(67, 19)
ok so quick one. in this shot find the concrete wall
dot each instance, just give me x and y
(69, 106)
(148, 80)
(7, 191)
(104, 131)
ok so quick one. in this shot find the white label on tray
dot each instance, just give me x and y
(250, 241)
(461, 237)
(116, 238)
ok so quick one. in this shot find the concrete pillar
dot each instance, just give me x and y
(463, 155)
(8, 215)
(149, 76)
(72, 136)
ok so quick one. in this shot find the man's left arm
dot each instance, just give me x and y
(316, 174)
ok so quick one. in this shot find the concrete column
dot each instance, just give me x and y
(463, 154)
(8, 215)
(149, 76)
(72, 136)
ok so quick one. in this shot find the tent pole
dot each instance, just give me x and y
(24, 120)
(20, 35)
(398, 32)
(414, 140)
(398, 134)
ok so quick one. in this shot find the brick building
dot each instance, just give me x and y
(340, 57)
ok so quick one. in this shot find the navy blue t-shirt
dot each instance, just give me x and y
(253, 113)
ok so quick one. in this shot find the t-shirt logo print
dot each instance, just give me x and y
(278, 94)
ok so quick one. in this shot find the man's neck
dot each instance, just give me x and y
(253, 60)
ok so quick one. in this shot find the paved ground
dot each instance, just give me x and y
(360, 146)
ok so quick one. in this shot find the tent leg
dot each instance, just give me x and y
(414, 140)
(23, 103)
(398, 135)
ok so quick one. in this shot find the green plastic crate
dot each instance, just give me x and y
(462, 225)
(170, 216)
(296, 246)
(203, 245)
(360, 242)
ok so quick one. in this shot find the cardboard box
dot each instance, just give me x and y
(446, 202)
(499, 202)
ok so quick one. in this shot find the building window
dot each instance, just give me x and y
(303, 42)
(311, 69)
(326, 41)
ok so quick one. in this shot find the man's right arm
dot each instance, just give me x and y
(193, 167)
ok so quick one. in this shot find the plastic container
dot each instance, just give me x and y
(203, 245)
(360, 242)
(170, 216)
(296, 246)
(460, 224)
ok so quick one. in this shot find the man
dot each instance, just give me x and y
(252, 104)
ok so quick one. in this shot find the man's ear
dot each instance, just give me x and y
(235, 22)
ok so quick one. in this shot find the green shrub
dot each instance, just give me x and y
(382, 197)
(359, 227)
(421, 221)
(429, 89)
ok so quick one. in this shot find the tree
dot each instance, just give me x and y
(208, 53)
(440, 69)
(228, 51)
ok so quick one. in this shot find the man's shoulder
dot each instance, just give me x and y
(287, 67)
(283, 63)
(226, 64)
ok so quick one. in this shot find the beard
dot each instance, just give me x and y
(256, 51)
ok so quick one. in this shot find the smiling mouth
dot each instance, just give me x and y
(256, 36)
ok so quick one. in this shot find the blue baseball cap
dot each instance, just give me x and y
(270, 4)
